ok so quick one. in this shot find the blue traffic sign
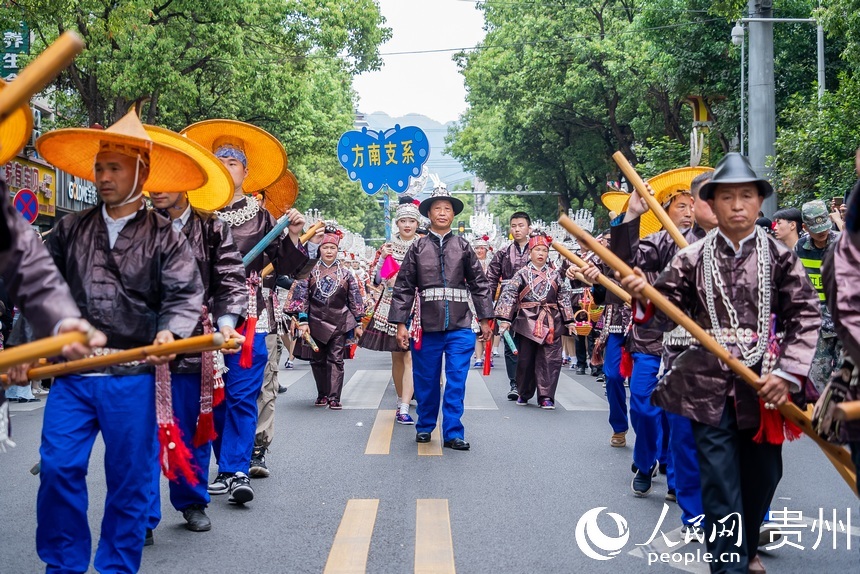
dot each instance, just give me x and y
(380, 159)
(27, 204)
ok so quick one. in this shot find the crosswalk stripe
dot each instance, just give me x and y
(478, 396)
(576, 397)
(348, 554)
(365, 389)
(379, 441)
(434, 548)
(432, 448)
(289, 377)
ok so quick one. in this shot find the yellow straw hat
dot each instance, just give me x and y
(74, 150)
(281, 195)
(670, 183)
(265, 156)
(218, 190)
(616, 201)
(15, 131)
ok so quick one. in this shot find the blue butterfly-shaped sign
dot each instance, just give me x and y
(384, 158)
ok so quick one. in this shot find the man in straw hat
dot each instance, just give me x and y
(196, 381)
(134, 278)
(255, 161)
(734, 281)
(444, 270)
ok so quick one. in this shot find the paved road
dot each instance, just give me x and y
(352, 492)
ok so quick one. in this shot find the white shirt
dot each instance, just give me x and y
(180, 221)
(114, 226)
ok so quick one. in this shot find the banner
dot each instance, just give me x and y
(380, 159)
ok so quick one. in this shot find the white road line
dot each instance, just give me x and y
(478, 396)
(365, 389)
(288, 377)
(575, 397)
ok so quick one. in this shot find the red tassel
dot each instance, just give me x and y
(551, 336)
(205, 432)
(626, 367)
(218, 390)
(774, 428)
(176, 459)
(246, 358)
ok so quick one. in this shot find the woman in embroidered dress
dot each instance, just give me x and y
(380, 335)
(536, 305)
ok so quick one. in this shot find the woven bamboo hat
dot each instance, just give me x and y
(616, 201)
(281, 195)
(15, 130)
(218, 189)
(265, 157)
(74, 150)
(675, 181)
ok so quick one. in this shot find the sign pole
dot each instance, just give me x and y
(386, 207)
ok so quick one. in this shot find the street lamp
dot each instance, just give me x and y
(739, 39)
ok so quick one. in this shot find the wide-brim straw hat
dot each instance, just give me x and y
(267, 158)
(616, 201)
(281, 195)
(218, 189)
(670, 183)
(15, 130)
(74, 150)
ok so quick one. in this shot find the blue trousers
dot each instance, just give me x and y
(236, 417)
(457, 348)
(685, 462)
(186, 408)
(616, 394)
(645, 417)
(123, 409)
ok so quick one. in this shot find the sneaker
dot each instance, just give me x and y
(601, 378)
(671, 495)
(513, 394)
(492, 364)
(547, 404)
(641, 484)
(595, 371)
(221, 484)
(258, 463)
(289, 365)
(565, 361)
(580, 370)
(334, 405)
(240, 489)
(149, 540)
(691, 532)
(403, 418)
(768, 534)
(321, 402)
(618, 440)
(521, 402)
(282, 389)
(495, 353)
(479, 363)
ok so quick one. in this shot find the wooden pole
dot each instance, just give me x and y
(40, 72)
(602, 279)
(639, 185)
(839, 456)
(306, 236)
(47, 347)
(848, 411)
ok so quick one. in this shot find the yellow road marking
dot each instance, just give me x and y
(432, 448)
(348, 553)
(434, 548)
(379, 441)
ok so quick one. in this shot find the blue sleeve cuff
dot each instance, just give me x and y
(229, 320)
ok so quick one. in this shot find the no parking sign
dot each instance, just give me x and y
(27, 204)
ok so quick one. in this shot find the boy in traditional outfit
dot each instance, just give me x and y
(255, 160)
(734, 281)
(134, 278)
(443, 270)
(535, 304)
(225, 299)
(329, 308)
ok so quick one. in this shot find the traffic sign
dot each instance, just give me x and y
(383, 158)
(27, 204)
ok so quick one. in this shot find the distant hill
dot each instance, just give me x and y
(446, 167)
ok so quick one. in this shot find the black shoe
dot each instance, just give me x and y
(149, 540)
(641, 484)
(258, 463)
(671, 495)
(513, 394)
(422, 437)
(596, 371)
(601, 378)
(457, 444)
(240, 489)
(580, 370)
(282, 389)
(196, 519)
(664, 468)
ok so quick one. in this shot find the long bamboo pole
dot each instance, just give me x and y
(602, 279)
(840, 457)
(848, 411)
(47, 347)
(639, 185)
(306, 236)
(40, 72)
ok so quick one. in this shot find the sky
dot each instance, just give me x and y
(427, 84)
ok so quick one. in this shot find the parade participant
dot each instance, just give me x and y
(444, 271)
(787, 225)
(502, 268)
(329, 308)
(535, 304)
(224, 296)
(811, 249)
(381, 334)
(481, 246)
(732, 426)
(255, 160)
(133, 277)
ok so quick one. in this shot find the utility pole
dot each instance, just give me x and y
(762, 98)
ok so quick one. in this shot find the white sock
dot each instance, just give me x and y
(404, 408)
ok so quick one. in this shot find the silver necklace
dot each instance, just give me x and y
(242, 215)
(714, 277)
(399, 247)
(541, 295)
(328, 291)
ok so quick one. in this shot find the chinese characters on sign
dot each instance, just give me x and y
(15, 43)
(380, 159)
(25, 174)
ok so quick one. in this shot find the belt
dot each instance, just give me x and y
(445, 294)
